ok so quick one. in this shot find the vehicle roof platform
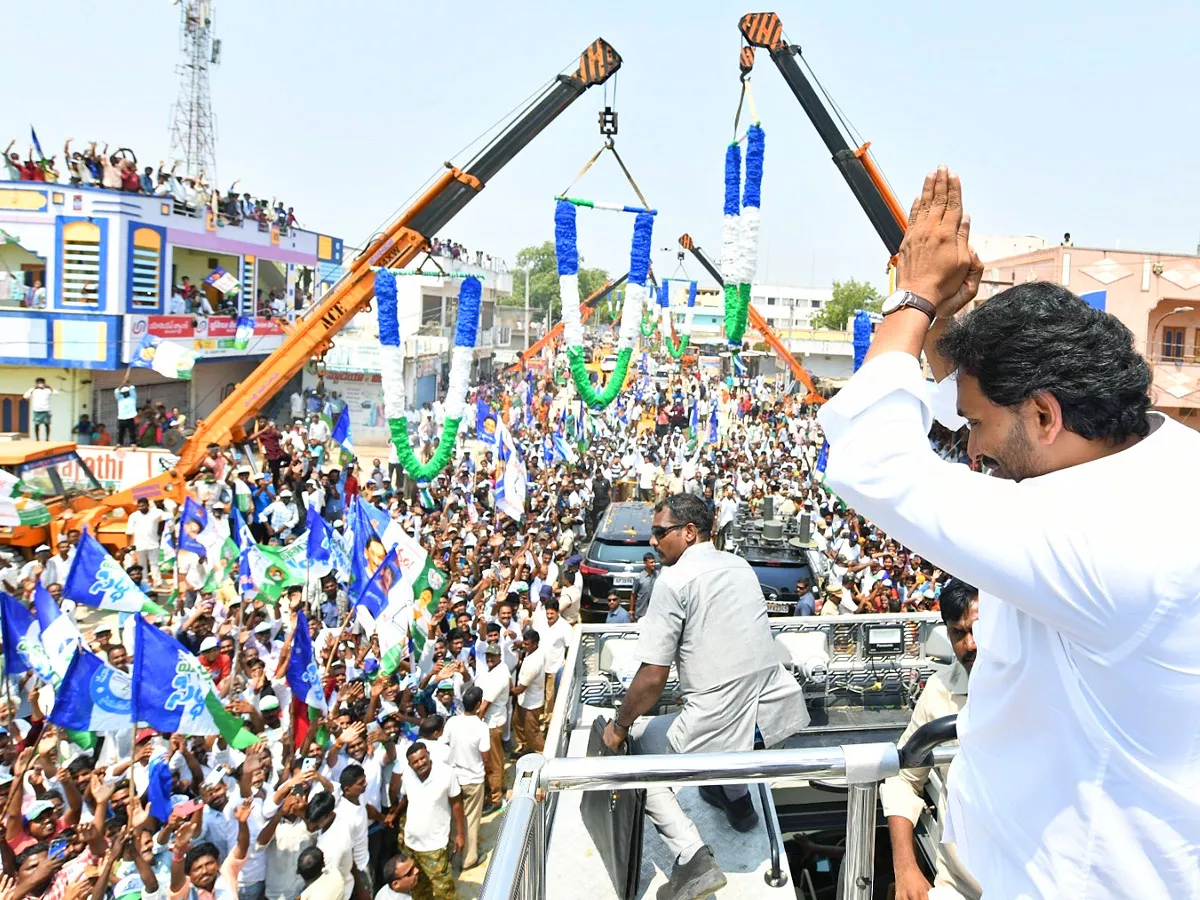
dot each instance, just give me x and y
(574, 868)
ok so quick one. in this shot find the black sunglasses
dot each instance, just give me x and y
(661, 531)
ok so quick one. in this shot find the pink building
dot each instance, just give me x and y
(1156, 295)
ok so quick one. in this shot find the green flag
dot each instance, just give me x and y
(275, 569)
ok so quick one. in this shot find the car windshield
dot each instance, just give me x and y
(781, 578)
(57, 475)
(603, 551)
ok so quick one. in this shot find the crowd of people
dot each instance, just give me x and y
(118, 171)
(382, 793)
(446, 248)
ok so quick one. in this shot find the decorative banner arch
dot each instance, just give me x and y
(567, 249)
(677, 347)
(739, 236)
(392, 370)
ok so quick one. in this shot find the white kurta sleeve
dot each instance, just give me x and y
(1017, 541)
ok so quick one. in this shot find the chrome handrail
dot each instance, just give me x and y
(774, 876)
(537, 778)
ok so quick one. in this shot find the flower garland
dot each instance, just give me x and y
(739, 236)
(677, 349)
(392, 369)
(567, 250)
(649, 323)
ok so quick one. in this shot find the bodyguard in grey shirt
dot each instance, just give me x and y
(707, 618)
(643, 586)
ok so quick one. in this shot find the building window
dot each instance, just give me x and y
(431, 310)
(816, 304)
(1196, 345)
(145, 283)
(1172, 347)
(770, 301)
(81, 264)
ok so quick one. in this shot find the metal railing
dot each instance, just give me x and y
(518, 867)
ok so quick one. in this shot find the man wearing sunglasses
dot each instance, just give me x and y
(707, 618)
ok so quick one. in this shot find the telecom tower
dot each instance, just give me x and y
(193, 128)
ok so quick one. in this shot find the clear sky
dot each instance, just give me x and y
(1059, 116)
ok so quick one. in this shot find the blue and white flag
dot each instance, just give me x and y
(485, 422)
(96, 579)
(173, 693)
(245, 331)
(244, 539)
(341, 433)
(561, 451)
(388, 601)
(193, 522)
(22, 638)
(712, 425)
(60, 637)
(303, 676)
(511, 476)
(319, 539)
(37, 145)
(823, 458)
(93, 696)
(165, 358)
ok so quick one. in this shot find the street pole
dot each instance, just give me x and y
(526, 331)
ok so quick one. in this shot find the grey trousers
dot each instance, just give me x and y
(649, 736)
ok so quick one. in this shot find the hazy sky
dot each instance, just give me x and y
(1060, 116)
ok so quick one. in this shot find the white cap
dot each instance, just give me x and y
(209, 643)
(42, 547)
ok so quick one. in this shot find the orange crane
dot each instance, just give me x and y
(857, 166)
(757, 322)
(398, 245)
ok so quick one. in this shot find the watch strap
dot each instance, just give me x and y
(913, 301)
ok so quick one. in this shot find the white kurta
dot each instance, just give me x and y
(1079, 773)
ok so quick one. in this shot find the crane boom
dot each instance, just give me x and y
(400, 243)
(858, 168)
(758, 322)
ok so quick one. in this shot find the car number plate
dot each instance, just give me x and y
(623, 581)
(780, 606)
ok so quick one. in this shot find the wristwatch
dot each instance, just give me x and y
(902, 299)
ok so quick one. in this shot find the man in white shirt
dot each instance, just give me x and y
(59, 564)
(556, 637)
(469, 741)
(400, 875)
(432, 798)
(1085, 663)
(145, 526)
(39, 407)
(902, 796)
(352, 811)
(495, 685)
(333, 839)
(530, 691)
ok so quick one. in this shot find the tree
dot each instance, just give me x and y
(848, 297)
(543, 280)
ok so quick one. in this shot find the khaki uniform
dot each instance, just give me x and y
(901, 795)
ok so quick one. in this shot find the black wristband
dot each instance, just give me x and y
(617, 724)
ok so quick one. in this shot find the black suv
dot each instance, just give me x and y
(615, 554)
(780, 555)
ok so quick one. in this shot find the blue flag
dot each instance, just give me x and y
(823, 458)
(341, 429)
(712, 425)
(245, 331)
(560, 451)
(319, 534)
(388, 597)
(37, 145)
(303, 676)
(23, 650)
(59, 635)
(96, 579)
(93, 696)
(192, 521)
(173, 693)
(158, 791)
(694, 421)
(245, 543)
(366, 524)
(485, 422)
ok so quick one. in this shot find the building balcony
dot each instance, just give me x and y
(1176, 383)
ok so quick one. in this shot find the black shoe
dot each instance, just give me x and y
(741, 813)
(490, 808)
(695, 880)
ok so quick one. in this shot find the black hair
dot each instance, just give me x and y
(389, 867)
(350, 774)
(456, 634)
(493, 627)
(81, 764)
(34, 850)
(414, 747)
(687, 509)
(471, 698)
(956, 598)
(1039, 337)
(431, 725)
(198, 852)
(310, 864)
(550, 603)
(646, 556)
(319, 807)
(532, 635)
